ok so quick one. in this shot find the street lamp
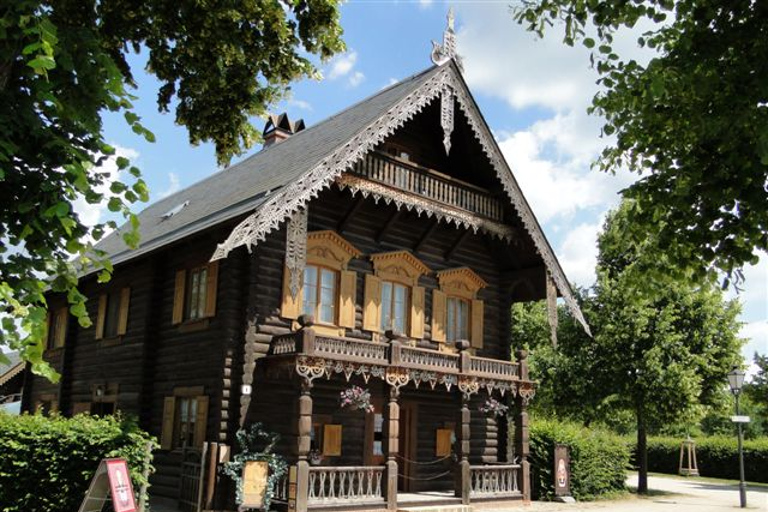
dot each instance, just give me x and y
(736, 381)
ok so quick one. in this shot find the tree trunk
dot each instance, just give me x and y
(642, 455)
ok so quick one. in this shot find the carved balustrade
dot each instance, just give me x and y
(345, 485)
(494, 481)
(429, 184)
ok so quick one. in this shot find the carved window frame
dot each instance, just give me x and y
(329, 250)
(460, 283)
(400, 267)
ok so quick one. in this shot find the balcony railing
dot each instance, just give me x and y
(429, 184)
(395, 355)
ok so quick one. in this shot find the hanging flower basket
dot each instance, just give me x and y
(356, 398)
(493, 407)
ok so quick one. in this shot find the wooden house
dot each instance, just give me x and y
(383, 248)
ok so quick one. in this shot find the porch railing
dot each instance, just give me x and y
(429, 184)
(494, 481)
(350, 485)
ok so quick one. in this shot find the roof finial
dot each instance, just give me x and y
(442, 53)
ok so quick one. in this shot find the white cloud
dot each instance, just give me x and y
(91, 214)
(300, 104)
(356, 78)
(424, 4)
(578, 253)
(173, 187)
(342, 65)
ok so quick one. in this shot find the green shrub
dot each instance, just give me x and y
(599, 459)
(46, 464)
(717, 457)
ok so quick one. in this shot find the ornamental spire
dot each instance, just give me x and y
(442, 53)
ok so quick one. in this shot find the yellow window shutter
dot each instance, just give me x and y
(211, 289)
(61, 333)
(291, 305)
(178, 296)
(101, 316)
(438, 316)
(125, 304)
(417, 312)
(201, 421)
(332, 440)
(443, 442)
(347, 293)
(169, 411)
(477, 324)
(372, 303)
(81, 407)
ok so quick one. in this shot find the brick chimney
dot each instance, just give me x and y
(279, 128)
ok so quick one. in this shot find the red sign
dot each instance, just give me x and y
(120, 485)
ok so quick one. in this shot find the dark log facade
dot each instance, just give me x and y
(197, 350)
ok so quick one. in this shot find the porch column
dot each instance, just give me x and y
(521, 430)
(304, 443)
(393, 446)
(463, 483)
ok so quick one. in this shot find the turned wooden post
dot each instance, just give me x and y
(305, 343)
(304, 443)
(521, 430)
(463, 483)
(393, 447)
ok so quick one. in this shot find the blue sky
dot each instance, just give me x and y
(533, 93)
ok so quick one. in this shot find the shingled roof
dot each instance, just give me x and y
(244, 187)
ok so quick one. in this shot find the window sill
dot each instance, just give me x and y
(199, 324)
(53, 352)
(111, 341)
(323, 329)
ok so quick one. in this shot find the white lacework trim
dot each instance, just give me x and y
(420, 205)
(298, 193)
(296, 249)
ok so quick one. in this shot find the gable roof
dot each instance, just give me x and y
(14, 367)
(278, 181)
(245, 186)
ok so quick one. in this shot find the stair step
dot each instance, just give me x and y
(437, 508)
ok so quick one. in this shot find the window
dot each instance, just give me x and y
(320, 294)
(112, 319)
(57, 328)
(102, 408)
(456, 311)
(197, 280)
(184, 428)
(326, 289)
(185, 418)
(457, 324)
(194, 296)
(394, 307)
(393, 298)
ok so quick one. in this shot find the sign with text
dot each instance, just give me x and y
(740, 419)
(562, 471)
(254, 483)
(111, 480)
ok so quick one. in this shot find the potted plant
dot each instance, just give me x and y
(356, 398)
(493, 407)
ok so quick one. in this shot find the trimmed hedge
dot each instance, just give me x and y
(716, 456)
(46, 464)
(599, 459)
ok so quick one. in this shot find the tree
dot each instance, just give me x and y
(658, 356)
(62, 64)
(757, 387)
(693, 121)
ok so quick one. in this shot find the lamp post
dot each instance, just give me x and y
(736, 381)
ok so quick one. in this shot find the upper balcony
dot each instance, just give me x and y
(429, 184)
(398, 363)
